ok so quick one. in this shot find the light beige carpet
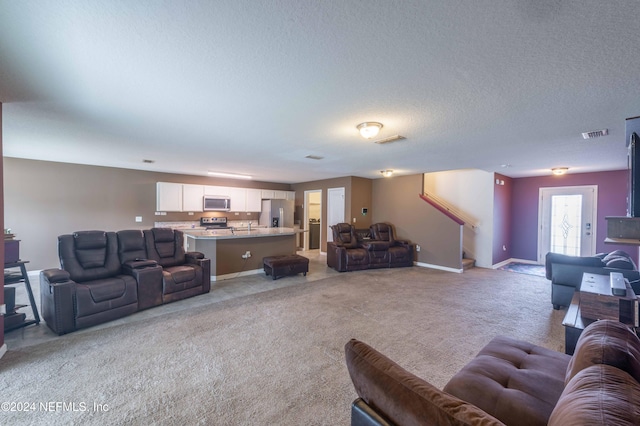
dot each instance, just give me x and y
(275, 357)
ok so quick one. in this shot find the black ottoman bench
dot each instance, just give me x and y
(289, 264)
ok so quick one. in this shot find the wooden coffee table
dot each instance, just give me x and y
(573, 324)
(573, 321)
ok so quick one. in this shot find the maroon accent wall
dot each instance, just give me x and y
(612, 201)
(502, 219)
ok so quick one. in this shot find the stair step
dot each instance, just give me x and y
(468, 263)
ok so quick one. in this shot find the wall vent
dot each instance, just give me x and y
(389, 139)
(595, 134)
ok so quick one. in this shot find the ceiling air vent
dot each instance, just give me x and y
(314, 157)
(595, 134)
(390, 139)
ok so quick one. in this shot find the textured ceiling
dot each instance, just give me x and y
(254, 87)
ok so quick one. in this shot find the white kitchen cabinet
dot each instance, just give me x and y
(168, 197)
(271, 194)
(216, 190)
(254, 200)
(238, 198)
(192, 197)
(268, 194)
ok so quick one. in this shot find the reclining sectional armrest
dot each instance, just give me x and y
(56, 275)
(336, 257)
(127, 267)
(57, 300)
(148, 276)
(375, 245)
(192, 256)
(197, 258)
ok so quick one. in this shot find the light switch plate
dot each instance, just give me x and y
(138, 218)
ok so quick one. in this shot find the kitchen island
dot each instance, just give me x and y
(226, 248)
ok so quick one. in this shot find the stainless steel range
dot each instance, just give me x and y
(214, 222)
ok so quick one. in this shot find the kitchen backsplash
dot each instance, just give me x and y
(196, 224)
(177, 225)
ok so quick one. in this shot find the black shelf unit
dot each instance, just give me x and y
(12, 277)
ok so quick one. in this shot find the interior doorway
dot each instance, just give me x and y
(567, 219)
(312, 216)
(335, 209)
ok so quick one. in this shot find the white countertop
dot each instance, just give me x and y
(225, 234)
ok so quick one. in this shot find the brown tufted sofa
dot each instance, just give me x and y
(509, 382)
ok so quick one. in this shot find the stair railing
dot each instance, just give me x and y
(450, 211)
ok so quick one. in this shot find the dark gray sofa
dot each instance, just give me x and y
(565, 272)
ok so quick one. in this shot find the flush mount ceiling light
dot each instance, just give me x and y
(559, 170)
(387, 173)
(229, 175)
(369, 129)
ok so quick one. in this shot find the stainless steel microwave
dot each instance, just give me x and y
(218, 203)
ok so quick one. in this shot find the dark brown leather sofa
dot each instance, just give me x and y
(353, 250)
(400, 251)
(509, 382)
(108, 275)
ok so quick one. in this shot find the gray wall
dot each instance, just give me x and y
(45, 199)
(396, 200)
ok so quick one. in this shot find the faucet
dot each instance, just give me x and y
(249, 227)
(233, 231)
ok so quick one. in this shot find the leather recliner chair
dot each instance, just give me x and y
(90, 288)
(345, 253)
(183, 274)
(400, 251)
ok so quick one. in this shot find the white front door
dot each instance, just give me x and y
(567, 221)
(335, 209)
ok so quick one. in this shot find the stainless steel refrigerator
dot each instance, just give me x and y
(277, 213)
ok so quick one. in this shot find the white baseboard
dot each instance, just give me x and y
(235, 275)
(3, 350)
(441, 268)
(513, 259)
